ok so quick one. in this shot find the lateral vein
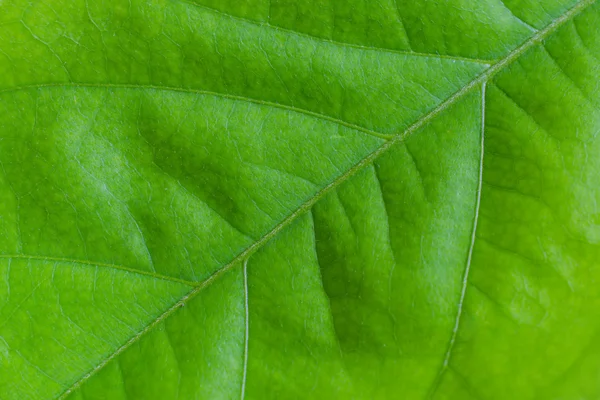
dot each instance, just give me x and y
(200, 92)
(335, 42)
(246, 330)
(98, 264)
(465, 279)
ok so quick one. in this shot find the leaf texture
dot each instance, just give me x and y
(299, 199)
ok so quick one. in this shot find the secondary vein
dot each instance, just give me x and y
(246, 331)
(200, 92)
(335, 42)
(98, 264)
(465, 279)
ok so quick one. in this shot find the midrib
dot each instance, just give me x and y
(247, 253)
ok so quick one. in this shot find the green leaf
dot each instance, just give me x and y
(280, 199)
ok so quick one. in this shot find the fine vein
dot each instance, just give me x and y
(479, 80)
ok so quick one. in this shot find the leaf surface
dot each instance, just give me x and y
(299, 199)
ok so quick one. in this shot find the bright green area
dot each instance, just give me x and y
(294, 199)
